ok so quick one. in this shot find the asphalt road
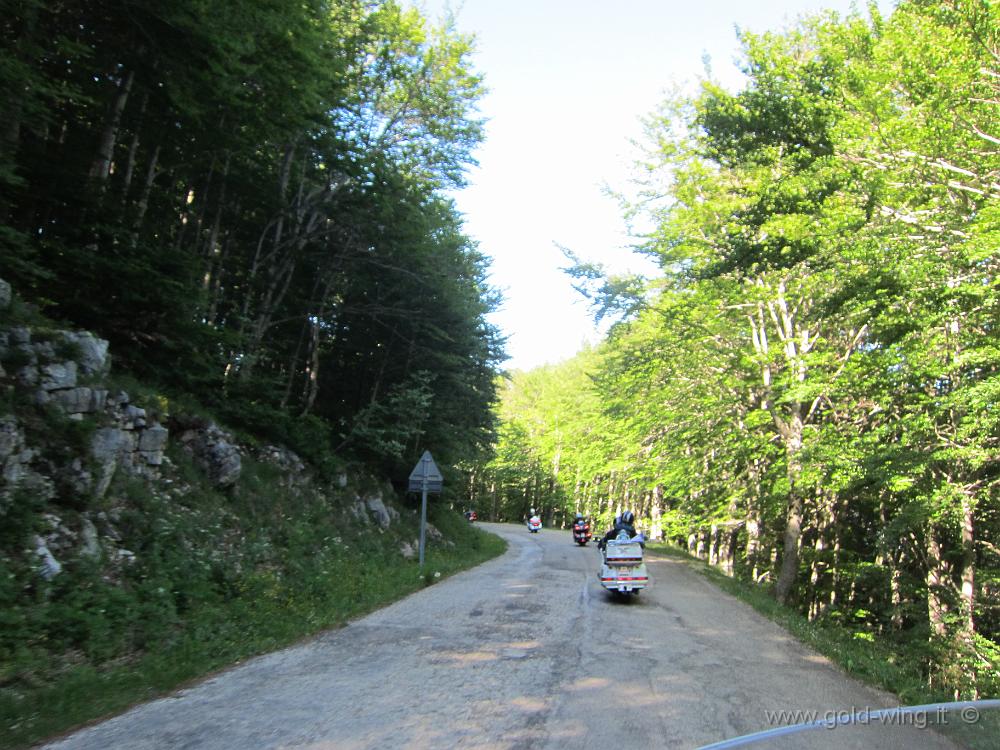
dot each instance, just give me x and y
(526, 651)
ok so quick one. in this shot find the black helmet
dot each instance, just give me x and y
(628, 517)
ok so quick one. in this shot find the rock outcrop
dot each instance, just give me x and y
(55, 372)
(17, 467)
(63, 370)
(213, 449)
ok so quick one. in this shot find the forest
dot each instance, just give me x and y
(806, 392)
(249, 201)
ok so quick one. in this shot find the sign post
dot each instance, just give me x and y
(424, 478)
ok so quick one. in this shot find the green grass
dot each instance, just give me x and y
(884, 665)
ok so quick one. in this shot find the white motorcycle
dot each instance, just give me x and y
(534, 524)
(622, 567)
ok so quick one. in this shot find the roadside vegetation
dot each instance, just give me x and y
(805, 393)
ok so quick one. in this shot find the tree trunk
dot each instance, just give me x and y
(790, 550)
(937, 586)
(312, 368)
(814, 579)
(293, 369)
(213, 250)
(793, 518)
(11, 139)
(819, 570)
(100, 168)
(147, 189)
(133, 152)
(966, 634)
(13, 117)
(212, 241)
(612, 488)
(315, 339)
(728, 550)
(274, 294)
(197, 198)
(788, 419)
(835, 571)
(656, 514)
(968, 592)
(753, 547)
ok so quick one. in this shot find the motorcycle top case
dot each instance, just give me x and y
(623, 553)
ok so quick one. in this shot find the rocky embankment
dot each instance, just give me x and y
(63, 375)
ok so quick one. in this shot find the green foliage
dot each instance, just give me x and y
(806, 390)
(248, 204)
(384, 428)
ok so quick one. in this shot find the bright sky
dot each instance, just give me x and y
(569, 81)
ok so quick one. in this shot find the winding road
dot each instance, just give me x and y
(525, 651)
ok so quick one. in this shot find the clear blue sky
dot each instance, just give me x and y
(569, 81)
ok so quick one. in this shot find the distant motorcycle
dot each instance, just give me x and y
(470, 516)
(534, 524)
(581, 532)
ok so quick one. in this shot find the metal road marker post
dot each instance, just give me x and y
(425, 478)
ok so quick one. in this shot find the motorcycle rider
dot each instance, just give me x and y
(625, 522)
(534, 517)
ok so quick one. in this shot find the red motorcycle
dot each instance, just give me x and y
(470, 516)
(581, 532)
